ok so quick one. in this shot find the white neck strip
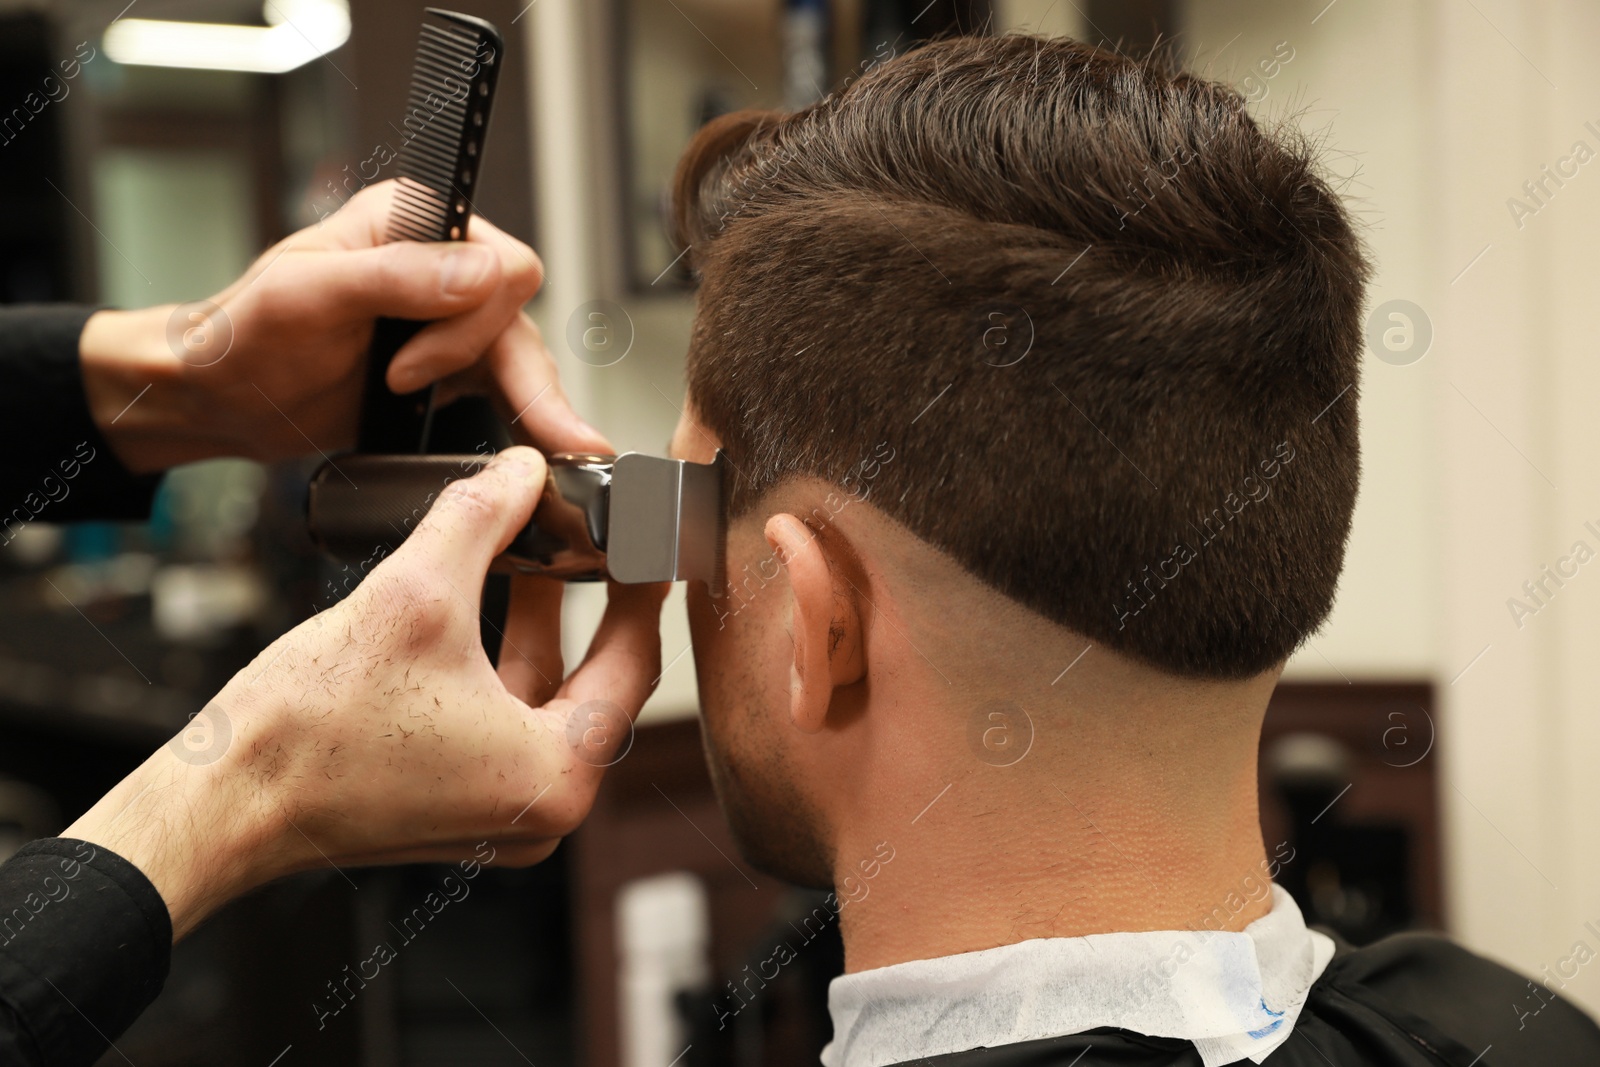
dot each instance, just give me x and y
(1232, 994)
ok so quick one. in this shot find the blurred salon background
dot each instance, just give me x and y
(1430, 761)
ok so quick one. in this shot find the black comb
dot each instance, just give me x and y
(447, 115)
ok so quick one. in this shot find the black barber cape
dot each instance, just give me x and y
(1412, 1000)
(85, 939)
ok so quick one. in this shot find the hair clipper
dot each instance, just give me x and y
(632, 518)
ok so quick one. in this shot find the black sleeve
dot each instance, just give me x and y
(54, 464)
(85, 942)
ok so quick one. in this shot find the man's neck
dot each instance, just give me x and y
(1131, 818)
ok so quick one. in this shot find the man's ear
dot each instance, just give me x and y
(827, 631)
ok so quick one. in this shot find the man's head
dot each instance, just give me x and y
(1009, 333)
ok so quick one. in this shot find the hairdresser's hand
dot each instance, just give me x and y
(378, 732)
(272, 367)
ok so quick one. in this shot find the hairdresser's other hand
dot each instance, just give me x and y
(272, 367)
(378, 732)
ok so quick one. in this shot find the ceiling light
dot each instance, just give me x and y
(297, 32)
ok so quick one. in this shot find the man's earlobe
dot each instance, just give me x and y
(826, 623)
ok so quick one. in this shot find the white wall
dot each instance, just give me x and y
(1513, 89)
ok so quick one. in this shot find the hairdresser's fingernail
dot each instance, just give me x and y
(407, 379)
(517, 462)
(464, 270)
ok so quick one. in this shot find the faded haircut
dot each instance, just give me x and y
(1109, 324)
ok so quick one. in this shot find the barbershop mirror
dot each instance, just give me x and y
(682, 64)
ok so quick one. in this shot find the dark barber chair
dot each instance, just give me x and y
(1348, 783)
(1352, 877)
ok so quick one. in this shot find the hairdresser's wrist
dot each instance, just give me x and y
(194, 819)
(140, 394)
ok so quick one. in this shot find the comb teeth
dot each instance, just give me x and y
(446, 118)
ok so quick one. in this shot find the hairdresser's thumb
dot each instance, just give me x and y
(472, 521)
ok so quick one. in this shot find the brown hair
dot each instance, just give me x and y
(1109, 325)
